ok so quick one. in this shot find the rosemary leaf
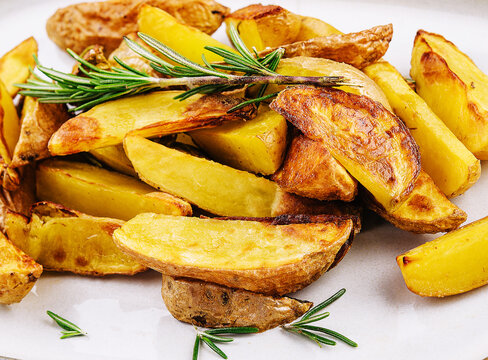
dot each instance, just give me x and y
(331, 333)
(234, 330)
(324, 304)
(196, 347)
(214, 347)
(217, 338)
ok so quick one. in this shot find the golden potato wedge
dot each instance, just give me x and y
(310, 170)
(451, 264)
(308, 66)
(154, 114)
(38, 122)
(426, 210)
(311, 28)
(250, 255)
(14, 65)
(212, 306)
(9, 125)
(454, 88)
(256, 146)
(18, 272)
(263, 26)
(81, 25)
(100, 192)
(114, 157)
(66, 240)
(357, 49)
(370, 142)
(190, 42)
(449, 163)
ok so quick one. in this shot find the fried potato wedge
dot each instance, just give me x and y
(216, 188)
(426, 210)
(310, 170)
(190, 42)
(357, 49)
(307, 66)
(9, 125)
(250, 255)
(114, 157)
(449, 163)
(14, 65)
(100, 192)
(38, 122)
(66, 240)
(18, 272)
(372, 144)
(212, 306)
(263, 26)
(81, 25)
(256, 146)
(154, 114)
(454, 88)
(451, 264)
(311, 28)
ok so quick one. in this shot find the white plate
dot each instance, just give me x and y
(125, 316)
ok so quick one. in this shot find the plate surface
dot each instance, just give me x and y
(125, 316)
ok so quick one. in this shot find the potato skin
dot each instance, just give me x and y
(357, 49)
(210, 305)
(81, 25)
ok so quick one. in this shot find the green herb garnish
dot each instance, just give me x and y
(69, 329)
(98, 85)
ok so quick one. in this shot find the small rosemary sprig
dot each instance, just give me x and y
(98, 85)
(210, 337)
(69, 329)
(303, 327)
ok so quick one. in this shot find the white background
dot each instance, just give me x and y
(125, 316)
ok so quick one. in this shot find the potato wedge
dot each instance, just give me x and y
(426, 210)
(18, 272)
(114, 157)
(451, 264)
(307, 66)
(66, 240)
(256, 146)
(81, 25)
(212, 306)
(154, 114)
(454, 88)
(357, 49)
(39, 121)
(449, 163)
(311, 28)
(190, 42)
(9, 125)
(250, 255)
(370, 142)
(99, 192)
(14, 65)
(263, 26)
(310, 170)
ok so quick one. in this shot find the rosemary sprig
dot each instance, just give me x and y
(97, 85)
(210, 337)
(302, 327)
(69, 329)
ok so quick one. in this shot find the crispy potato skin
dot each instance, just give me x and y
(451, 264)
(66, 240)
(81, 25)
(309, 170)
(38, 122)
(265, 26)
(357, 49)
(155, 114)
(141, 238)
(454, 88)
(14, 65)
(370, 142)
(426, 210)
(451, 165)
(18, 272)
(213, 306)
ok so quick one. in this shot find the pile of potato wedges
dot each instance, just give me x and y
(238, 209)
